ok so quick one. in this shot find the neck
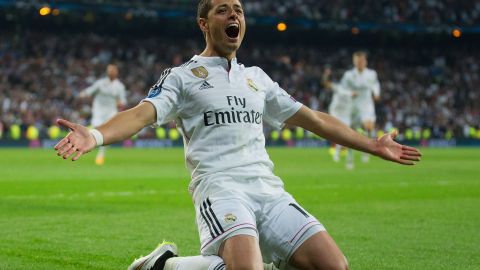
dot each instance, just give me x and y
(360, 69)
(209, 52)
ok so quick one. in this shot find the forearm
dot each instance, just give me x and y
(127, 123)
(332, 129)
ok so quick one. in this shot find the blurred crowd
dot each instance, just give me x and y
(42, 75)
(421, 12)
(425, 12)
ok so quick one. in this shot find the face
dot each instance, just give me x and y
(225, 26)
(112, 72)
(360, 62)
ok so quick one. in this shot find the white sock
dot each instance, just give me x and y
(338, 148)
(201, 263)
(350, 156)
(101, 151)
(195, 263)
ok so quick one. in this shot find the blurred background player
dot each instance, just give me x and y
(364, 86)
(108, 98)
(341, 108)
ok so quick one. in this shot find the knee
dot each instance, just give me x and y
(336, 264)
(340, 264)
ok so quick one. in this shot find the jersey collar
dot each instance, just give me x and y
(215, 61)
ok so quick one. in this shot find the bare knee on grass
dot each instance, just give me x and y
(319, 252)
(241, 252)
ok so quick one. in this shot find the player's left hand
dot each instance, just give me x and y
(78, 141)
(388, 149)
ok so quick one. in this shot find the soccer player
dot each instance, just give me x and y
(243, 213)
(341, 108)
(365, 88)
(109, 98)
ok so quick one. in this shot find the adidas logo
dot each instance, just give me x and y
(205, 85)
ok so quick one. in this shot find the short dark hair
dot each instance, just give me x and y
(204, 7)
(360, 54)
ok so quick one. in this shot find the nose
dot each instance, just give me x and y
(233, 15)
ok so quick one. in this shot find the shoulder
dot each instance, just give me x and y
(372, 72)
(255, 72)
(119, 83)
(348, 73)
(101, 80)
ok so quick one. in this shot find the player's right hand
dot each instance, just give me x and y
(78, 141)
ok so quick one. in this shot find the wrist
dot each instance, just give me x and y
(374, 147)
(97, 135)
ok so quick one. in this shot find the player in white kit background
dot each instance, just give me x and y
(363, 83)
(109, 97)
(244, 215)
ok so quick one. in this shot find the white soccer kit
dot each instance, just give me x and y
(220, 111)
(365, 84)
(341, 104)
(107, 94)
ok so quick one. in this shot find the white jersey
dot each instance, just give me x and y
(107, 94)
(341, 98)
(220, 113)
(341, 104)
(364, 83)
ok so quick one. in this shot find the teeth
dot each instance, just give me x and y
(233, 24)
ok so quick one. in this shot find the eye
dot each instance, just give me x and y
(222, 10)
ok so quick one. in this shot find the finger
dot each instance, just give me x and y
(412, 158)
(77, 156)
(64, 149)
(406, 147)
(412, 153)
(393, 134)
(61, 143)
(66, 124)
(405, 162)
(69, 152)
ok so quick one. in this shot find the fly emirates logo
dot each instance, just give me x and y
(237, 114)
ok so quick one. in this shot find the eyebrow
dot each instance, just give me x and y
(225, 5)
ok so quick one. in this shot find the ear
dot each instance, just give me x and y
(202, 22)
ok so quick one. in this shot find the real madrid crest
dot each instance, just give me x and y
(252, 85)
(200, 72)
(230, 218)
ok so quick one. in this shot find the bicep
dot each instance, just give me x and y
(145, 112)
(305, 118)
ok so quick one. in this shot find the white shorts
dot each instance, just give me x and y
(99, 119)
(365, 110)
(279, 223)
(343, 115)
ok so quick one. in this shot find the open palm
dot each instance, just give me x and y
(388, 149)
(78, 141)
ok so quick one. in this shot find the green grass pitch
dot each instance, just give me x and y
(57, 214)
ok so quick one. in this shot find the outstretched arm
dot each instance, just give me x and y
(332, 129)
(122, 126)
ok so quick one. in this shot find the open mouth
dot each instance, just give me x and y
(232, 30)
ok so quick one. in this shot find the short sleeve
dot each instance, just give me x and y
(165, 96)
(122, 96)
(279, 105)
(344, 83)
(91, 90)
(376, 85)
